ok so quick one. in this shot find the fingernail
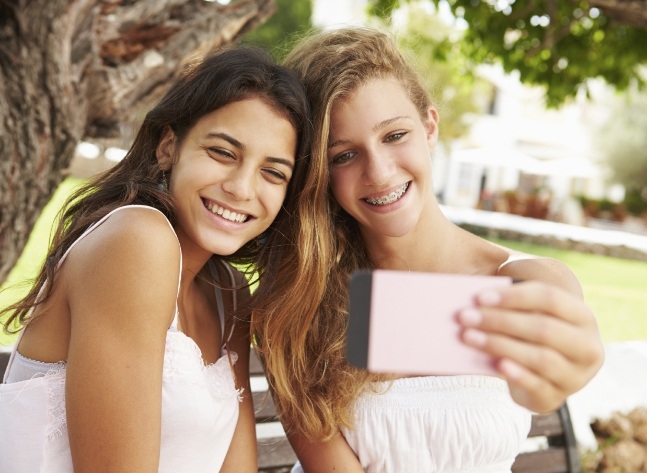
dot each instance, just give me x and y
(489, 298)
(475, 337)
(470, 317)
(510, 369)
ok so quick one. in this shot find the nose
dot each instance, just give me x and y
(378, 168)
(241, 184)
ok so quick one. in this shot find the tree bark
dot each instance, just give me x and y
(88, 69)
(626, 12)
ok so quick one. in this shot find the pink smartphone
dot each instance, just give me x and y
(405, 322)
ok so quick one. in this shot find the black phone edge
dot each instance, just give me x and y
(359, 318)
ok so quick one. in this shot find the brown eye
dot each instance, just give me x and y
(395, 136)
(343, 157)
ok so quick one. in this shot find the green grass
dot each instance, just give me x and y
(35, 251)
(614, 288)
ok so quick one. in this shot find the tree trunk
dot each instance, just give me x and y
(88, 69)
(626, 12)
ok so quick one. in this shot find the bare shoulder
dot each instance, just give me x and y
(135, 232)
(527, 267)
(130, 262)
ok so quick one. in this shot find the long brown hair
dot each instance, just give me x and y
(300, 326)
(224, 76)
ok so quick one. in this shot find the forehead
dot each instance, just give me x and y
(375, 100)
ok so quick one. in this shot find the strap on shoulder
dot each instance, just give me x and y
(219, 297)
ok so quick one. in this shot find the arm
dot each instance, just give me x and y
(242, 454)
(544, 334)
(121, 282)
(334, 455)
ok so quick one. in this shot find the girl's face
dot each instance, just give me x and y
(379, 156)
(230, 174)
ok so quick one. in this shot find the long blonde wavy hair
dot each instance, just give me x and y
(301, 317)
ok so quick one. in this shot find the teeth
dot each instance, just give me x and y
(226, 213)
(389, 198)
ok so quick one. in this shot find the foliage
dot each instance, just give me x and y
(623, 142)
(280, 32)
(448, 75)
(636, 202)
(558, 45)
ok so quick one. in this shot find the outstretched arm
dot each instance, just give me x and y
(542, 331)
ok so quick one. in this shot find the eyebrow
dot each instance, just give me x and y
(377, 127)
(228, 138)
(237, 144)
(283, 161)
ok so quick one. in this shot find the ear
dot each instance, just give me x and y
(431, 124)
(165, 150)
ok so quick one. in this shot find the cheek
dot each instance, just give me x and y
(337, 186)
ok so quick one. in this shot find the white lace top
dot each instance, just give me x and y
(199, 410)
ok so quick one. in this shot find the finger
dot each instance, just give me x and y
(534, 328)
(539, 297)
(530, 390)
(543, 361)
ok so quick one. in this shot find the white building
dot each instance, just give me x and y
(519, 145)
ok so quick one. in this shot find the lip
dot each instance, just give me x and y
(223, 221)
(385, 193)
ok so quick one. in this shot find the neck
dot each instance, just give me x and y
(430, 246)
(194, 260)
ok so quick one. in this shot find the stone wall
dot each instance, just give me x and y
(617, 251)
(622, 440)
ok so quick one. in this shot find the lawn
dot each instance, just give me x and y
(613, 287)
(35, 251)
(616, 289)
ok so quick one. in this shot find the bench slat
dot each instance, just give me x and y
(547, 425)
(275, 455)
(264, 407)
(552, 460)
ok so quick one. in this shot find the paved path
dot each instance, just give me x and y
(620, 385)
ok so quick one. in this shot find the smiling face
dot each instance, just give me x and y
(230, 174)
(379, 155)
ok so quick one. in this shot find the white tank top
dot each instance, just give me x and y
(437, 424)
(200, 405)
(443, 424)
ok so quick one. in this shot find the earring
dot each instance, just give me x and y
(261, 240)
(163, 185)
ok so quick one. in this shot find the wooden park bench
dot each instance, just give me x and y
(557, 452)
(554, 448)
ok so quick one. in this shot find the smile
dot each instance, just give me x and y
(390, 197)
(225, 213)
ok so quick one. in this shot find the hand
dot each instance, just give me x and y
(545, 338)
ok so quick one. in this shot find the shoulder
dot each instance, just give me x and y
(134, 247)
(140, 232)
(527, 267)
